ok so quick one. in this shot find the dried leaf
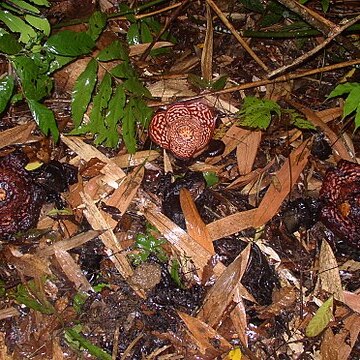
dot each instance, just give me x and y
(246, 152)
(221, 295)
(203, 335)
(195, 227)
(329, 276)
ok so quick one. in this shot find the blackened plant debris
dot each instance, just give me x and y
(340, 195)
(20, 197)
(55, 177)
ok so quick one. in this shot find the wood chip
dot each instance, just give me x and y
(72, 270)
(17, 135)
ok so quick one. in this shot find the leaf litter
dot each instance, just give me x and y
(242, 267)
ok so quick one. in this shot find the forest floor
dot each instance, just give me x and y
(247, 246)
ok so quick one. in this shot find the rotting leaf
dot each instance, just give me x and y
(321, 318)
(83, 89)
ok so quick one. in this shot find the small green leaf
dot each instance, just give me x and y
(298, 121)
(45, 118)
(352, 102)
(136, 87)
(211, 178)
(123, 71)
(83, 89)
(28, 295)
(25, 6)
(113, 116)
(321, 318)
(40, 2)
(60, 212)
(100, 103)
(129, 126)
(73, 336)
(357, 118)
(115, 51)
(35, 85)
(97, 23)
(39, 23)
(58, 61)
(256, 113)
(17, 25)
(341, 90)
(146, 36)
(219, 83)
(133, 34)
(70, 43)
(6, 90)
(8, 43)
(325, 5)
(198, 81)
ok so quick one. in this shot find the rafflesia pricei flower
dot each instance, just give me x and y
(183, 128)
(20, 198)
(340, 195)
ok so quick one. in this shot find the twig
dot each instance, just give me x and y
(287, 77)
(243, 43)
(324, 25)
(164, 28)
(254, 84)
(332, 35)
(287, 34)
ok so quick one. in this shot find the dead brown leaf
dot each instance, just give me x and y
(329, 276)
(195, 227)
(204, 335)
(221, 294)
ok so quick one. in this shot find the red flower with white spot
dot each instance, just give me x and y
(183, 128)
